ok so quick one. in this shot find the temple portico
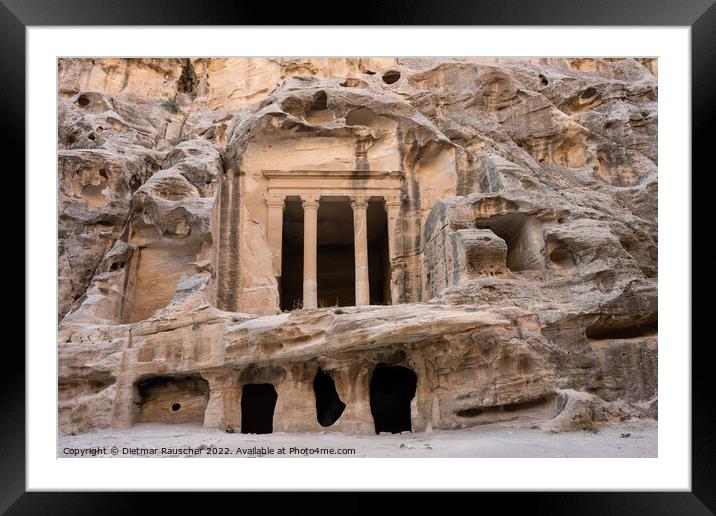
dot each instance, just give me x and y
(357, 209)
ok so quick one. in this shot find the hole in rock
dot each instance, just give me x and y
(320, 101)
(116, 266)
(588, 93)
(391, 77)
(561, 258)
(91, 137)
(537, 403)
(391, 390)
(543, 80)
(258, 401)
(523, 236)
(187, 82)
(471, 412)
(329, 406)
(159, 395)
(134, 183)
(525, 405)
(621, 330)
(83, 101)
(369, 72)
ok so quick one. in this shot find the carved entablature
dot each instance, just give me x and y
(335, 183)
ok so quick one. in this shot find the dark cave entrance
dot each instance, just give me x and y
(329, 406)
(391, 390)
(258, 401)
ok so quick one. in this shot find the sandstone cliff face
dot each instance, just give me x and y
(519, 278)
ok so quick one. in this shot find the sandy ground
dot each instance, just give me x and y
(634, 439)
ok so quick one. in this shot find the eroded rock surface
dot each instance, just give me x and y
(508, 209)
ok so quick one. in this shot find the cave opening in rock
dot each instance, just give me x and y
(172, 399)
(610, 328)
(391, 390)
(524, 239)
(258, 401)
(134, 183)
(378, 257)
(336, 253)
(320, 101)
(329, 406)
(561, 258)
(116, 266)
(391, 76)
(528, 406)
(588, 93)
(83, 100)
(470, 412)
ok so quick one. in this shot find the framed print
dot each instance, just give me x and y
(418, 252)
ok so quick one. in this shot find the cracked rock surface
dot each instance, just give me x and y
(523, 280)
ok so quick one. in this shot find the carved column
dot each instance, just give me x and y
(310, 250)
(392, 208)
(360, 235)
(275, 204)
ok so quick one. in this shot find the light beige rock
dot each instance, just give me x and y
(469, 240)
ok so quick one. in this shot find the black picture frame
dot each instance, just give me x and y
(700, 15)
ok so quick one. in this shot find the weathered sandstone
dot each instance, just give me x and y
(357, 244)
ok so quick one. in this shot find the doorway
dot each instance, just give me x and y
(258, 401)
(392, 388)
